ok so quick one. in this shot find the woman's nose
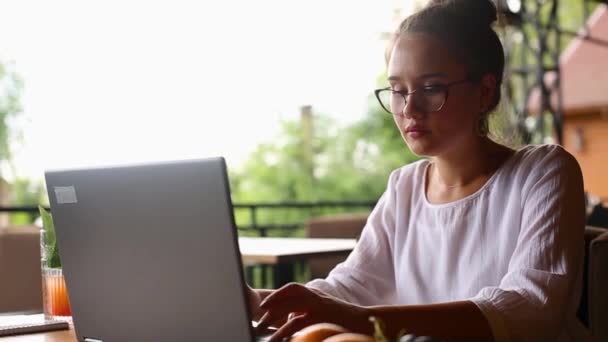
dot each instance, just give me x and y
(410, 110)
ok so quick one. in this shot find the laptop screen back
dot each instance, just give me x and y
(150, 252)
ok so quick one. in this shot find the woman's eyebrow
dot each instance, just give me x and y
(432, 75)
(421, 77)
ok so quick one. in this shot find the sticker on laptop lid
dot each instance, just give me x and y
(65, 194)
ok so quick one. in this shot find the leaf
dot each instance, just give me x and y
(51, 250)
(379, 329)
(55, 262)
(48, 226)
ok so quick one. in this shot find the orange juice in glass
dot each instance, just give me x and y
(56, 304)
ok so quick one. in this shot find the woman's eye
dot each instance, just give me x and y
(432, 89)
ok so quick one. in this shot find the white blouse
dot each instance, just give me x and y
(514, 248)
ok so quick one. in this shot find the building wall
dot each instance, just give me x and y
(586, 137)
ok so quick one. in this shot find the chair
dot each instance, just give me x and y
(21, 280)
(596, 279)
(335, 226)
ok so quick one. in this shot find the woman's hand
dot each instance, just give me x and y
(308, 306)
(255, 299)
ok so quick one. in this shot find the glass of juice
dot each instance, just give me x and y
(55, 302)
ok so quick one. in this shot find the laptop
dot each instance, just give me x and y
(150, 252)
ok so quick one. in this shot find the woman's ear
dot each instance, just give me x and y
(488, 92)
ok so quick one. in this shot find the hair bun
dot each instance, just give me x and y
(478, 12)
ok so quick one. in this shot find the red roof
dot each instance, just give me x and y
(584, 70)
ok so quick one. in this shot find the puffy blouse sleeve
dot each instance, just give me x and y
(533, 299)
(367, 277)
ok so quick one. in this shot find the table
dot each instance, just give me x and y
(52, 336)
(268, 250)
(282, 253)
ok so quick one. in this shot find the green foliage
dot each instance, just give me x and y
(24, 193)
(10, 90)
(379, 330)
(51, 251)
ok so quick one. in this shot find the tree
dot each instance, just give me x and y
(10, 106)
(348, 163)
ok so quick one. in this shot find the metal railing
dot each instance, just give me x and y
(312, 208)
(254, 224)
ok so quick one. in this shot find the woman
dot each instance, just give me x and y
(478, 242)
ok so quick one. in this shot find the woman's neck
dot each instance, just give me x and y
(461, 167)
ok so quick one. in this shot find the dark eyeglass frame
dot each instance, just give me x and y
(443, 87)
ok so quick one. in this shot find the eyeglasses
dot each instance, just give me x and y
(427, 99)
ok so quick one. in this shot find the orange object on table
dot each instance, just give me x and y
(55, 295)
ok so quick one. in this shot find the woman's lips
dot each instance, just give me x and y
(416, 131)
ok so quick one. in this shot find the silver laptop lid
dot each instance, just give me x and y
(150, 252)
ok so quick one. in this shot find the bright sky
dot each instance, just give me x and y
(129, 81)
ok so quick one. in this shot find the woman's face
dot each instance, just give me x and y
(421, 60)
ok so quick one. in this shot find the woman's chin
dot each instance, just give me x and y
(419, 148)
